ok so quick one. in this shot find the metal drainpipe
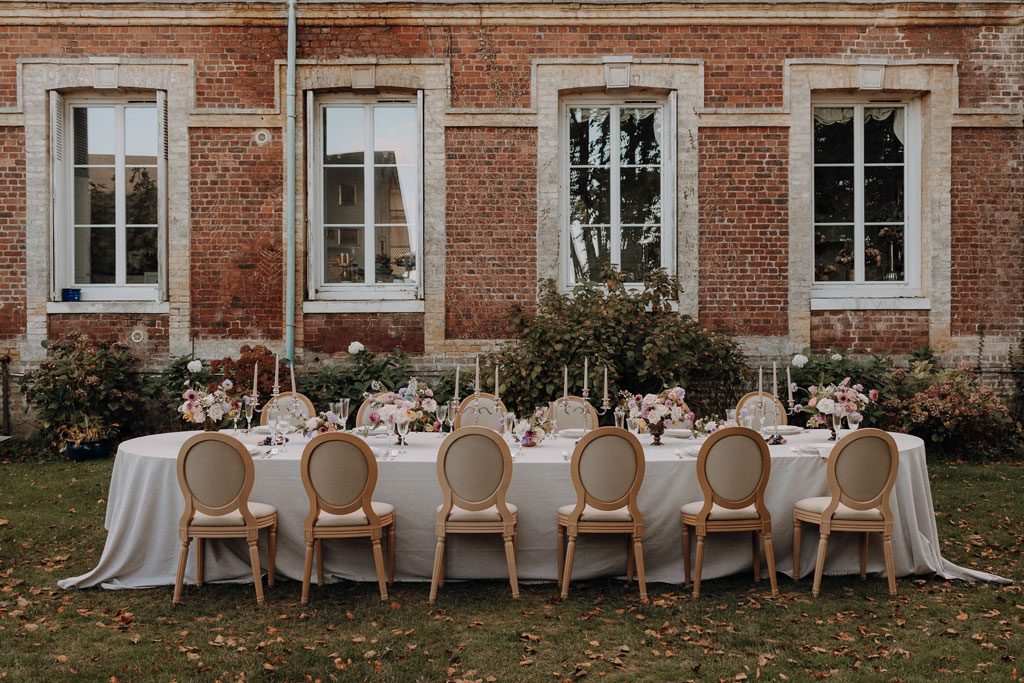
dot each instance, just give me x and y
(289, 188)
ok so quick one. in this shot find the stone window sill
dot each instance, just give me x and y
(876, 303)
(153, 307)
(340, 306)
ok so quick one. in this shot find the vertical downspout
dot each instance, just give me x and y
(289, 188)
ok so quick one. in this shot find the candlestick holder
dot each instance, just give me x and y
(776, 438)
(276, 437)
(476, 408)
(584, 408)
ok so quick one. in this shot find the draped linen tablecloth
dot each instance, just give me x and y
(145, 503)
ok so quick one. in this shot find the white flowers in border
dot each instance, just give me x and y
(355, 347)
(194, 366)
(799, 360)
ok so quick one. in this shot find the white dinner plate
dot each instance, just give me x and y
(261, 429)
(681, 432)
(783, 429)
(573, 433)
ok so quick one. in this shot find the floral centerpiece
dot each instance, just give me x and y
(708, 424)
(531, 431)
(658, 411)
(842, 400)
(415, 401)
(322, 423)
(209, 405)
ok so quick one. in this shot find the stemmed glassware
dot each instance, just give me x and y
(391, 429)
(274, 417)
(453, 412)
(837, 420)
(402, 424)
(620, 418)
(442, 414)
(250, 408)
(510, 425)
(762, 412)
(854, 419)
(632, 423)
(730, 415)
(340, 408)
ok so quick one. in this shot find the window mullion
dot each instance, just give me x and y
(616, 194)
(858, 192)
(120, 231)
(369, 235)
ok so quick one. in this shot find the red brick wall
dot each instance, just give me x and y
(869, 331)
(987, 220)
(332, 333)
(113, 327)
(491, 226)
(744, 230)
(237, 235)
(12, 232)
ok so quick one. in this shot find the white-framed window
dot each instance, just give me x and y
(108, 191)
(867, 197)
(618, 180)
(365, 189)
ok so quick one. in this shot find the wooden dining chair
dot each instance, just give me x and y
(474, 468)
(862, 469)
(492, 413)
(570, 412)
(216, 475)
(750, 402)
(732, 468)
(339, 473)
(301, 408)
(607, 471)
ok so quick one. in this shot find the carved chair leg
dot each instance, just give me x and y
(567, 570)
(890, 565)
(699, 566)
(378, 563)
(438, 568)
(686, 553)
(307, 571)
(769, 553)
(257, 575)
(819, 565)
(200, 547)
(180, 577)
(510, 559)
(797, 528)
(638, 555)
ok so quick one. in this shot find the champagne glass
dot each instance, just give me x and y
(343, 408)
(273, 421)
(453, 412)
(633, 424)
(762, 412)
(403, 429)
(730, 415)
(853, 420)
(620, 418)
(250, 408)
(391, 427)
(510, 423)
(554, 422)
(837, 420)
(442, 414)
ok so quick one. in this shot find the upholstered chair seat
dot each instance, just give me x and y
(357, 518)
(720, 513)
(258, 510)
(818, 505)
(592, 514)
(490, 514)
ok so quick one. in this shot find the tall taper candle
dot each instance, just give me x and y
(496, 394)
(586, 376)
(255, 374)
(789, 384)
(477, 385)
(606, 383)
(277, 364)
(760, 379)
(775, 382)
(457, 368)
(565, 381)
(292, 367)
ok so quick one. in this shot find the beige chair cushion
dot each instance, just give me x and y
(818, 505)
(490, 514)
(233, 518)
(591, 514)
(357, 518)
(719, 513)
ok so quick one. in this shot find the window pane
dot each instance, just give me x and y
(883, 134)
(140, 196)
(589, 195)
(641, 250)
(343, 135)
(640, 135)
(395, 193)
(94, 135)
(395, 259)
(343, 195)
(833, 253)
(95, 252)
(590, 250)
(140, 255)
(589, 133)
(344, 256)
(883, 194)
(140, 136)
(833, 135)
(833, 194)
(883, 252)
(394, 135)
(640, 195)
(94, 196)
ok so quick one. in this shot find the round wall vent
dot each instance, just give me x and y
(137, 336)
(261, 137)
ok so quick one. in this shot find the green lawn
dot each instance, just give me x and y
(51, 526)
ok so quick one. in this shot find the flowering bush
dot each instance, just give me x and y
(415, 401)
(353, 378)
(240, 371)
(83, 390)
(667, 407)
(831, 368)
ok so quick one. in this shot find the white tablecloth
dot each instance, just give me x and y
(145, 503)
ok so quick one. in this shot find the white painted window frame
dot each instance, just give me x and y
(318, 290)
(668, 177)
(859, 290)
(62, 196)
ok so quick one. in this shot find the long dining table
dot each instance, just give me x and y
(145, 503)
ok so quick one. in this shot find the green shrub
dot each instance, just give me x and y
(832, 367)
(645, 344)
(353, 378)
(84, 390)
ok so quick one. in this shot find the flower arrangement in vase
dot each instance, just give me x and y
(209, 405)
(531, 431)
(658, 411)
(828, 405)
(322, 423)
(415, 401)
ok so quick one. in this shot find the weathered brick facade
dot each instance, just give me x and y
(735, 227)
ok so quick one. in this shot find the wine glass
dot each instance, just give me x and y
(730, 415)
(554, 422)
(453, 412)
(510, 423)
(403, 425)
(342, 412)
(853, 420)
(442, 414)
(837, 420)
(250, 408)
(620, 418)
(274, 422)
(762, 413)
(632, 424)
(391, 429)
